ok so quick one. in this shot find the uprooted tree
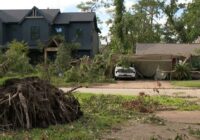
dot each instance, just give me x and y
(32, 102)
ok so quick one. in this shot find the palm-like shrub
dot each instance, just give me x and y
(182, 71)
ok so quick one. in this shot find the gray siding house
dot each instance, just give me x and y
(35, 25)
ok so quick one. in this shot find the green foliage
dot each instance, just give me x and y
(73, 75)
(195, 61)
(138, 25)
(90, 5)
(125, 61)
(17, 58)
(63, 59)
(117, 29)
(46, 71)
(98, 69)
(195, 132)
(188, 83)
(182, 71)
(191, 22)
(101, 113)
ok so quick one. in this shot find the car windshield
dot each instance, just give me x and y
(125, 70)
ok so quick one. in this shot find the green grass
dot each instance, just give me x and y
(3, 79)
(195, 132)
(190, 83)
(60, 82)
(55, 80)
(101, 113)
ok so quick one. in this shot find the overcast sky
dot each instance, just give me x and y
(63, 5)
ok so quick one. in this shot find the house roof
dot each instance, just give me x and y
(15, 16)
(12, 15)
(65, 18)
(167, 49)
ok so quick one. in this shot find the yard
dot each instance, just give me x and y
(189, 83)
(105, 114)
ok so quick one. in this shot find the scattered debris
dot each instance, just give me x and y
(144, 104)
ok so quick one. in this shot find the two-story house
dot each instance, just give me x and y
(35, 25)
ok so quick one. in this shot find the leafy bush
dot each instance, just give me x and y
(89, 70)
(195, 60)
(63, 58)
(46, 71)
(72, 75)
(182, 71)
(17, 58)
(124, 61)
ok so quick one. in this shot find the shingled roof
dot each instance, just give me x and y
(15, 16)
(64, 18)
(167, 49)
(12, 15)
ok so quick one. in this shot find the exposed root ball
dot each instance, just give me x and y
(32, 102)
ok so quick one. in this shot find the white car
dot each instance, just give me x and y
(122, 72)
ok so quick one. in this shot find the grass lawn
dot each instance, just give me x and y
(189, 83)
(55, 80)
(101, 113)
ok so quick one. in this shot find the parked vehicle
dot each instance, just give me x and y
(124, 73)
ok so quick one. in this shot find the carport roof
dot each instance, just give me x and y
(167, 49)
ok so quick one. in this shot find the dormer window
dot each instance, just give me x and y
(34, 13)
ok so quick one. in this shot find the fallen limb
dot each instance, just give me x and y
(72, 90)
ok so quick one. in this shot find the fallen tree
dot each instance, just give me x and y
(32, 102)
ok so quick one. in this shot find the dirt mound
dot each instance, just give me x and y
(32, 102)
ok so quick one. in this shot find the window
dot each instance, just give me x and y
(59, 30)
(35, 32)
(79, 32)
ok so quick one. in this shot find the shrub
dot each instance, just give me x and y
(89, 70)
(124, 61)
(182, 71)
(17, 58)
(72, 75)
(46, 71)
(63, 58)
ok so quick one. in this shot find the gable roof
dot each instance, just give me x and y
(167, 49)
(53, 16)
(16, 16)
(65, 18)
(12, 15)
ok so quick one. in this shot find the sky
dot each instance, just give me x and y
(64, 6)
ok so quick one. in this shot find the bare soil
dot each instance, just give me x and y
(176, 123)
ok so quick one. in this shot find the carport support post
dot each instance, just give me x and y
(45, 56)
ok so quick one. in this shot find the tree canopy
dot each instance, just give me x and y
(149, 21)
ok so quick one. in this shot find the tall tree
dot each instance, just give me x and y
(118, 20)
(174, 29)
(192, 20)
(94, 5)
(140, 25)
